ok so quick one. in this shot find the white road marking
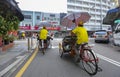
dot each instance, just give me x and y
(55, 46)
(109, 60)
(102, 57)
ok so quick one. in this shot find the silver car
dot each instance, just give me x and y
(101, 36)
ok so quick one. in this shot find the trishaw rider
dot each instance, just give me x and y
(43, 35)
(82, 37)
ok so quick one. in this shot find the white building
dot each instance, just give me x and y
(32, 18)
(96, 8)
(53, 18)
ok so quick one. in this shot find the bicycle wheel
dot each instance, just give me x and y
(89, 62)
(43, 50)
(42, 47)
(60, 51)
(38, 46)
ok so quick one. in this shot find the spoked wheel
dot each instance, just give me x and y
(60, 51)
(49, 44)
(39, 47)
(43, 51)
(89, 62)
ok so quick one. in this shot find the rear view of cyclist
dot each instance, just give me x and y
(82, 37)
(43, 35)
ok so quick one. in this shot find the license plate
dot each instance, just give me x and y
(99, 36)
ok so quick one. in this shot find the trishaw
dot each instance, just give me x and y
(42, 46)
(87, 56)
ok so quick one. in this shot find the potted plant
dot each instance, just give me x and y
(6, 39)
(11, 38)
(8, 23)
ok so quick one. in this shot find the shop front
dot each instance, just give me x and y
(30, 31)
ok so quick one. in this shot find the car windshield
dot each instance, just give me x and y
(100, 33)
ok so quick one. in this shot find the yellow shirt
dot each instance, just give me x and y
(23, 34)
(82, 35)
(43, 34)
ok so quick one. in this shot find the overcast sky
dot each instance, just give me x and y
(53, 6)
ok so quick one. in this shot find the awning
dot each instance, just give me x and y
(10, 5)
(111, 16)
(113, 10)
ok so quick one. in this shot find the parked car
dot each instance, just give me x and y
(101, 36)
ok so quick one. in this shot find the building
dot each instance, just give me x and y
(53, 18)
(32, 18)
(31, 21)
(96, 8)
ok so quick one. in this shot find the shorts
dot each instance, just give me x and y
(45, 41)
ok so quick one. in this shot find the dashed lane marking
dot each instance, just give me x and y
(109, 60)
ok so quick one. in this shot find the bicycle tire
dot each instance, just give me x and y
(61, 53)
(38, 46)
(43, 47)
(43, 51)
(89, 62)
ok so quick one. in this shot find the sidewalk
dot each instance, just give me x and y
(14, 55)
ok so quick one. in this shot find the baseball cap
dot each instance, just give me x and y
(81, 23)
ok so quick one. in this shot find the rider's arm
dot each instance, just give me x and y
(73, 32)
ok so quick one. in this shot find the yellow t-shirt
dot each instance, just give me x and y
(43, 34)
(23, 34)
(82, 35)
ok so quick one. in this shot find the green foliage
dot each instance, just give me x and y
(12, 38)
(6, 37)
(3, 29)
(9, 23)
(12, 23)
(15, 23)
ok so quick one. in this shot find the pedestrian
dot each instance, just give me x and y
(23, 35)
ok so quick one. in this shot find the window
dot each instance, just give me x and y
(52, 15)
(38, 17)
(71, 1)
(27, 16)
(100, 33)
(86, 3)
(71, 7)
(79, 8)
(78, 2)
(45, 18)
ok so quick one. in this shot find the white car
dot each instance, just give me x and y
(101, 36)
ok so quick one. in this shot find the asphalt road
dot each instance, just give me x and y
(51, 65)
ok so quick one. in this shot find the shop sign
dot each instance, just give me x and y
(25, 27)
